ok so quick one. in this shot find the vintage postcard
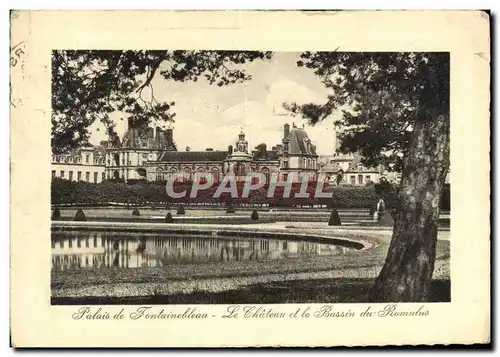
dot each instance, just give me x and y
(249, 179)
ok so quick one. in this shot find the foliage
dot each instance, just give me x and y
(181, 210)
(382, 95)
(135, 212)
(80, 216)
(255, 215)
(169, 218)
(91, 194)
(89, 85)
(385, 219)
(56, 214)
(334, 218)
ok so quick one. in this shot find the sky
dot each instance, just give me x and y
(209, 116)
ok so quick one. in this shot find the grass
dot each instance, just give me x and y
(295, 291)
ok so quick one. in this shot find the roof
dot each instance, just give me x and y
(193, 156)
(298, 143)
(353, 165)
(240, 156)
(269, 155)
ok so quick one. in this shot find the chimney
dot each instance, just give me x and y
(286, 132)
(230, 149)
(169, 136)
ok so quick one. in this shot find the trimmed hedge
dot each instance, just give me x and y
(91, 194)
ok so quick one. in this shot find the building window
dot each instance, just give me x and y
(360, 179)
(368, 179)
(53, 173)
(79, 176)
(285, 177)
(87, 176)
(95, 177)
(87, 159)
(70, 243)
(103, 176)
(353, 180)
(71, 175)
(62, 174)
(332, 161)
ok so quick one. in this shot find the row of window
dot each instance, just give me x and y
(86, 178)
(76, 159)
(367, 179)
(307, 163)
(116, 160)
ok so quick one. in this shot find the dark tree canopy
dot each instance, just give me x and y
(90, 85)
(381, 95)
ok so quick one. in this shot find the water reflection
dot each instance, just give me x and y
(80, 250)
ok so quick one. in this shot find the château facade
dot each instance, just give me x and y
(151, 154)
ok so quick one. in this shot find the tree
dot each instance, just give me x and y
(90, 85)
(395, 112)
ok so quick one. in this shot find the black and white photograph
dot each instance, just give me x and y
(250, 178)
(230, 177)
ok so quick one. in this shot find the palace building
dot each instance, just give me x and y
(151, 154)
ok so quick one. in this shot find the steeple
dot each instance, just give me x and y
(242, 144)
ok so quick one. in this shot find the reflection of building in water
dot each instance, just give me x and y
(97, 250)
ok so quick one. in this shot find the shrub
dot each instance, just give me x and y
(136, 212)
(56, 214)
(334, 218)
(181, 210)
(80, 216)
(169, 218)
(230, 209)
(373, 208)
(255, 215)
(167, 206)
(386, 219)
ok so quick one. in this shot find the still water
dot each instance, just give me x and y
(85, 250)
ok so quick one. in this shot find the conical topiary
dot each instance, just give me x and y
(334, 218)
(169, 218)
(230, 209)
(373, 208)
(56, 214)
(386, 219)
(255, 215)
(181, 210)
(136, 212)
(80, 216)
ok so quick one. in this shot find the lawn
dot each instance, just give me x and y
(312, 279)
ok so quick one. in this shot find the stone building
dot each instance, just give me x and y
(237, 160)
(85, 164)
(298, 155)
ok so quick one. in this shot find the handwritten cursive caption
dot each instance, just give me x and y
(249, 312)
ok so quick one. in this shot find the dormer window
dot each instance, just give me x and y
(70, 159)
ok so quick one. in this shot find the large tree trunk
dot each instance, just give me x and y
(407, 272)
